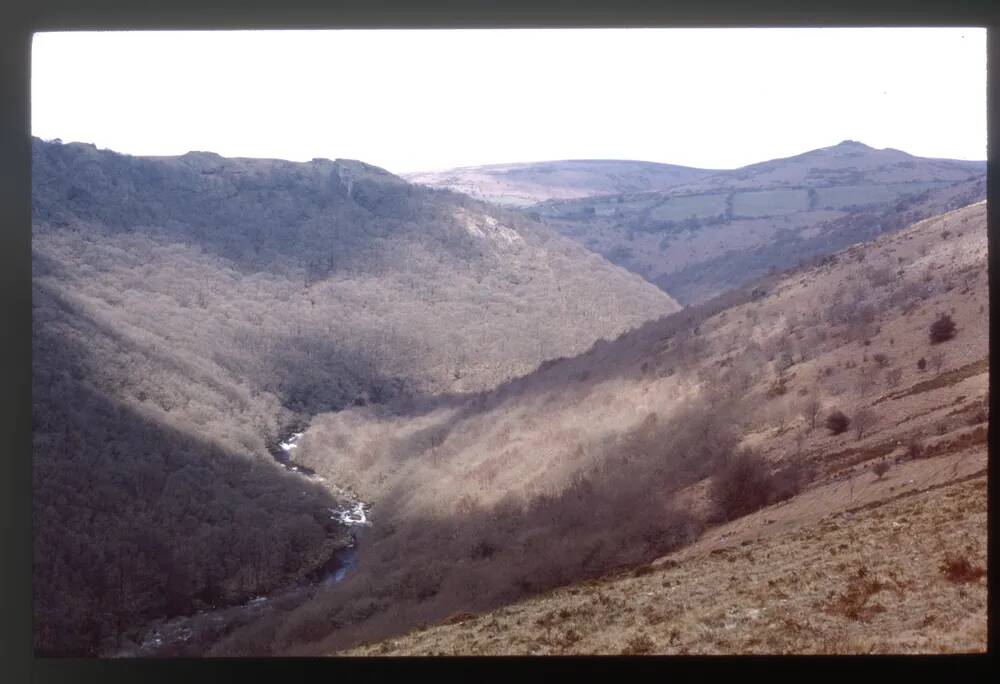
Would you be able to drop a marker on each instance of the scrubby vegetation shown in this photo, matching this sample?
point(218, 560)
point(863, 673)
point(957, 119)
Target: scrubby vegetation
point(745, 483)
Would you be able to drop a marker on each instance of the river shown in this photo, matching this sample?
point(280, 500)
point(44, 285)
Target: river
point(174, 636)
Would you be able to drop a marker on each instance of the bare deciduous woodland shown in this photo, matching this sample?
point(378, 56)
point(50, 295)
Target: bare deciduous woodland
point(555, 456)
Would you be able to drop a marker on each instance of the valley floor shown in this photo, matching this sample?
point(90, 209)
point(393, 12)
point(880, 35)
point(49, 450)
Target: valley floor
point(898, 569)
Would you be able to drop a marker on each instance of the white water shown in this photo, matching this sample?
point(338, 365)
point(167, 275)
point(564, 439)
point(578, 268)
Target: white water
point(353, 513)
point(291, 443)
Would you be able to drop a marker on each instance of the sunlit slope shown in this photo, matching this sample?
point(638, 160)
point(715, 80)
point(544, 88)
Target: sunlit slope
point(634, 429)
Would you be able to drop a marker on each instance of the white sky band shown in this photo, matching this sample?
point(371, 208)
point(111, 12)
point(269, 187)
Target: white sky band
point(428, 100)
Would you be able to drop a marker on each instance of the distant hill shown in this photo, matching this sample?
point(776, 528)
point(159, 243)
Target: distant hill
point(698, 239)
point(190, 311)
point(526, 184)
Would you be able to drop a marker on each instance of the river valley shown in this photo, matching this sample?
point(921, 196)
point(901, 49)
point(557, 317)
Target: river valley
point(187, 634)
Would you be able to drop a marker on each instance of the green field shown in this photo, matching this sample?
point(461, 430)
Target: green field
point(916, 187)
point(848, 195)
point(680, 208)
point(770, 202)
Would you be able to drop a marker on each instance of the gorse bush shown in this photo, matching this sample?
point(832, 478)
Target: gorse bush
point(942, 329)
point(958, 569)
point(639, 645)
point(837, 422)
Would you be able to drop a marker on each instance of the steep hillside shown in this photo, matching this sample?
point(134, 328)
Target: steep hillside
point(629, 451)
point(191, 311)
point(699, 239)
point(351, 280)
point(520, 185)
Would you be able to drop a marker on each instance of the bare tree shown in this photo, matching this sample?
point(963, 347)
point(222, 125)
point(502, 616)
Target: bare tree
point(800, 440)
point(779, 415)
point(937, 360)
point(863, 420)
point(894, 376)
point(811, 410)
point(867, 381)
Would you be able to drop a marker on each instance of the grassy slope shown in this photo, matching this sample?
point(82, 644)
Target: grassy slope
point(899, 541)
point(801, 591)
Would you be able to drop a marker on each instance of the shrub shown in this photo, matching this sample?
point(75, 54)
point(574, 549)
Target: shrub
point(853, 603)
point(789, 481)
point(837, 422)
point(880, 469)
point(777, 389)
point(743, 485)
point(915, 449)
point(958, 569)
point(881, 359)
point(638, 645)
point(922, 363)
point(979, 415)
point(942, 330)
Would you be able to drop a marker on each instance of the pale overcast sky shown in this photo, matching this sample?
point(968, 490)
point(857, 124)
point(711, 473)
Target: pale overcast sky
point(428, 100)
